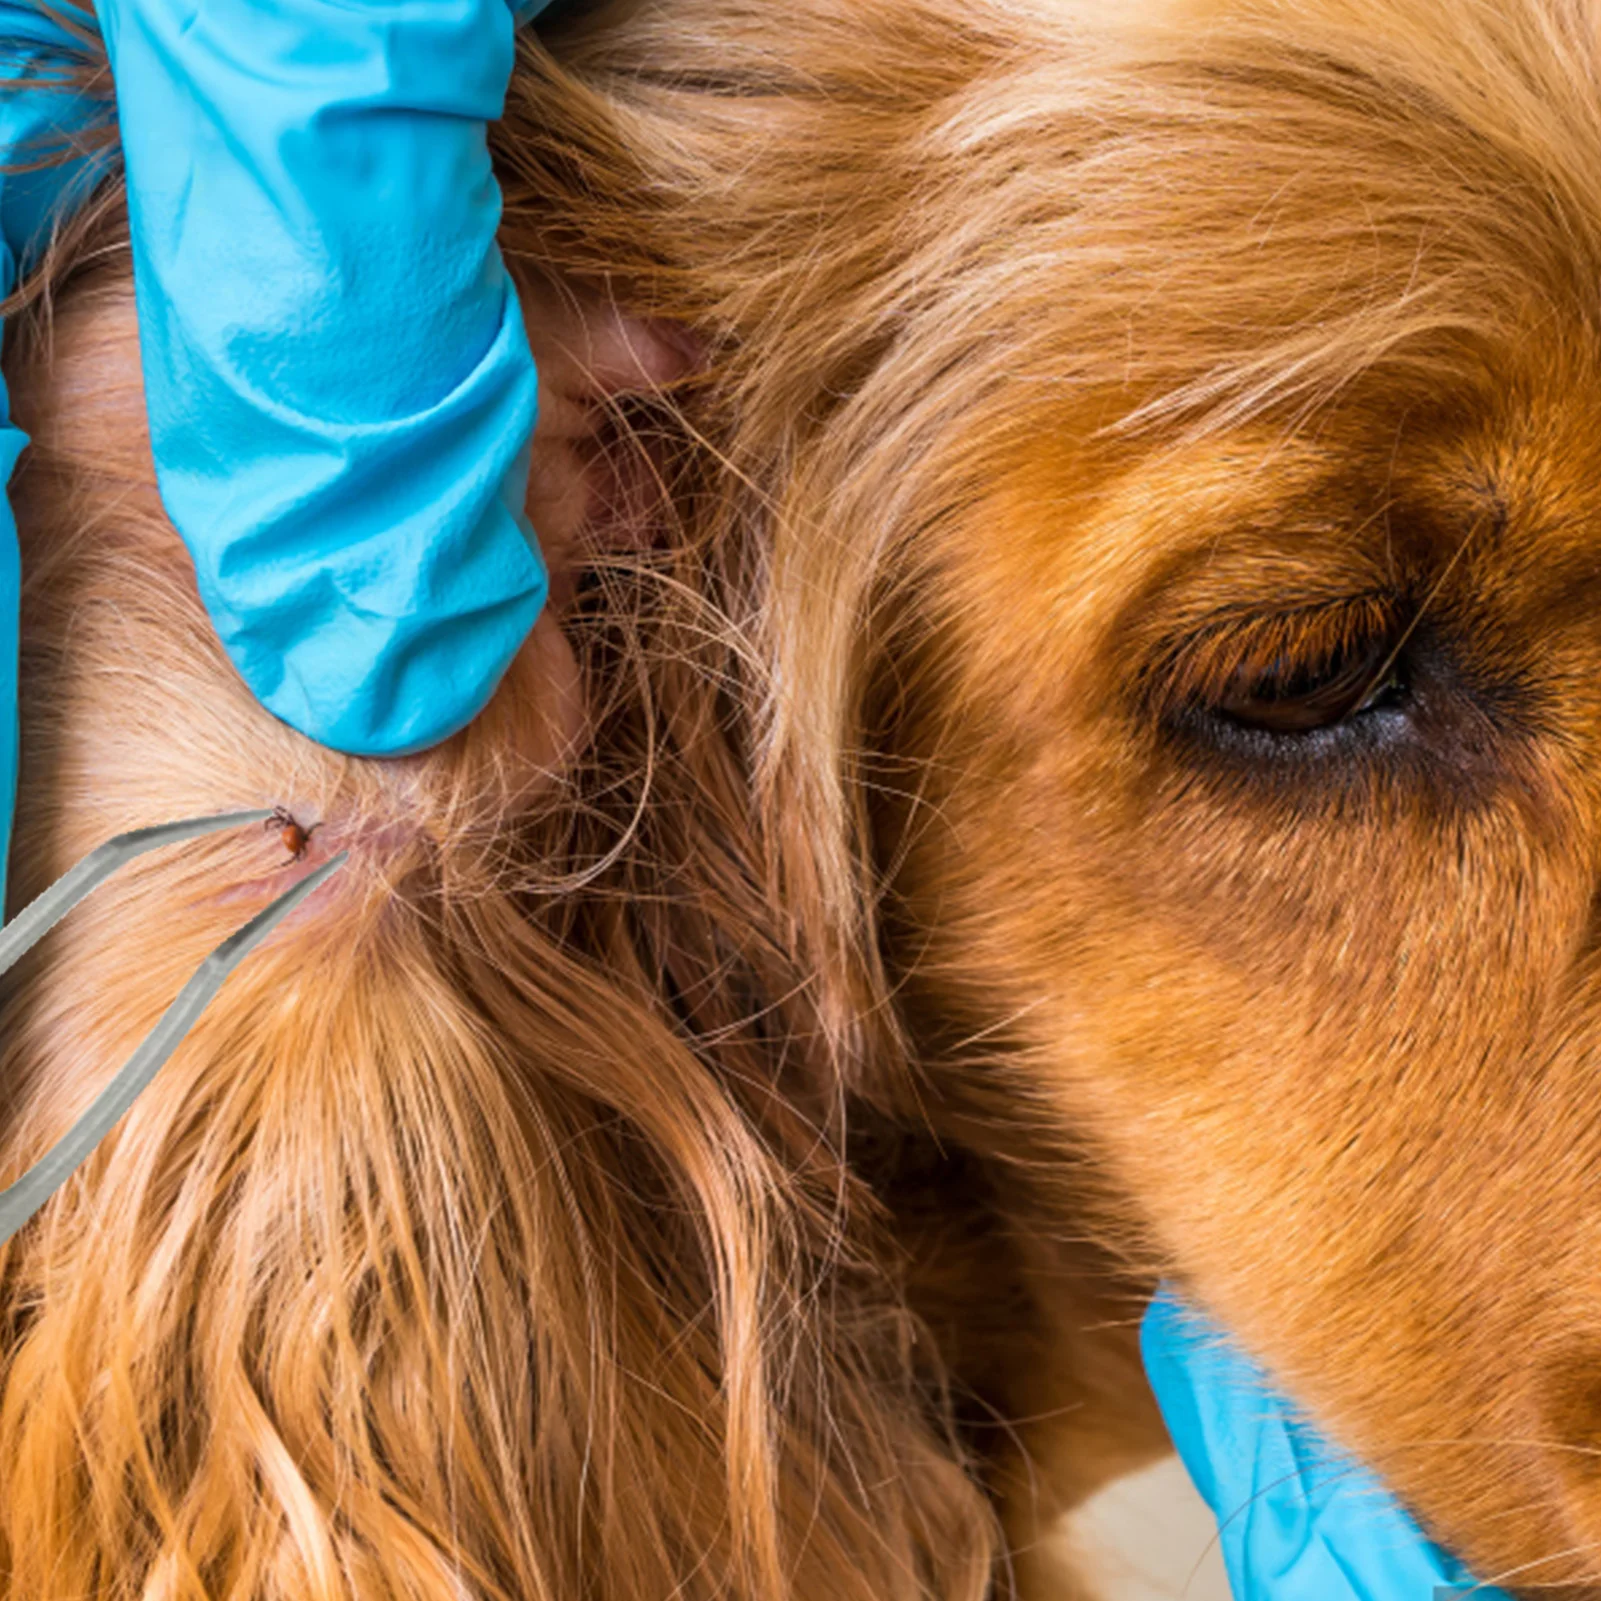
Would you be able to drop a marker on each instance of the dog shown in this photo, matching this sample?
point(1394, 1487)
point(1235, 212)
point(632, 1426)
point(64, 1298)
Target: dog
point(1077, 765)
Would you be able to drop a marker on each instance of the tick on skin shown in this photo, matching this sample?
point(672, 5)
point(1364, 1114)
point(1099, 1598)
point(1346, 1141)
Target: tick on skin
point(294, 837)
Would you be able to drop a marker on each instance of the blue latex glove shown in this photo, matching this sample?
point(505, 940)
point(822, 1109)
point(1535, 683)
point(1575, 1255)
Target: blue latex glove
point(1298, 1520)
point(340, 388)
point(30, 122)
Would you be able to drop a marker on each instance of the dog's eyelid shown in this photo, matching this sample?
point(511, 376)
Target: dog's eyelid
point(1240, 650)
point(1237, 615)
point(1296, 627)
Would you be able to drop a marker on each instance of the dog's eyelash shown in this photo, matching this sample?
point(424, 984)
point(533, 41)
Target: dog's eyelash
point(1292, 671)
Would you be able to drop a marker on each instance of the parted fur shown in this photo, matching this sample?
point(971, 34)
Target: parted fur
point(734, 1167)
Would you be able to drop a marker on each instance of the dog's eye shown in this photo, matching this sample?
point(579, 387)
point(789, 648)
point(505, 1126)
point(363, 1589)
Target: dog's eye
point(1296, 696)
point(1295, 672)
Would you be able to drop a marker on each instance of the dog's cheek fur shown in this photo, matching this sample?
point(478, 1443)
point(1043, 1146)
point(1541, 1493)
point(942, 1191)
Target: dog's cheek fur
point(1236, 1013)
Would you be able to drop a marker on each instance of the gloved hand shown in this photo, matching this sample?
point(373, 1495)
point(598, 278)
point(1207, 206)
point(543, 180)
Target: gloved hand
point(1298, 1520)
point(31, 120)
point(340, 388)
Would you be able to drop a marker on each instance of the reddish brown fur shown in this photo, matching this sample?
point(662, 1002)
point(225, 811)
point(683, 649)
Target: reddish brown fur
point(1067, 361)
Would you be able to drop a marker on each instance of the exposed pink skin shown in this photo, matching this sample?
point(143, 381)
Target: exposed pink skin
point(373, 846)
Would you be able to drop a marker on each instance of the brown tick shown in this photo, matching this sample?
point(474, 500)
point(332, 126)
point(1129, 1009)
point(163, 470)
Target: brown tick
point(294, 837)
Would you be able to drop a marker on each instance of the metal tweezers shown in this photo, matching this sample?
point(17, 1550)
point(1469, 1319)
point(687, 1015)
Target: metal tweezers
point(19, 1201)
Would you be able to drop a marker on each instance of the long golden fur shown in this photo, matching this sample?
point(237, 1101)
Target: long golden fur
point(733, 1165)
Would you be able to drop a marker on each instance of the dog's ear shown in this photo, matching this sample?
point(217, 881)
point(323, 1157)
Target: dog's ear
point(594, 483)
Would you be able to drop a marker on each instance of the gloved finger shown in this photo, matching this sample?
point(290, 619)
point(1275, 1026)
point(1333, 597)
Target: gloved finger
point(339, 386)
point(1298, 1520)
point(36, 119)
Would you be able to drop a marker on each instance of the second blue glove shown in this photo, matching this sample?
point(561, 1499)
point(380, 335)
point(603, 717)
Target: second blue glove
point(1298, 1520)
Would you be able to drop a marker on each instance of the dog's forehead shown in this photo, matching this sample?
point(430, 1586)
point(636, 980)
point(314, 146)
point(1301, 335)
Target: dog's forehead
point(1500, 483)
point(1264, 206)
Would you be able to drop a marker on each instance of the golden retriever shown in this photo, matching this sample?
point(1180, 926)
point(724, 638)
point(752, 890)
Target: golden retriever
point(1088, 768)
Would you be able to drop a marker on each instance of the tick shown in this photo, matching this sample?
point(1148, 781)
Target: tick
point(294, 837)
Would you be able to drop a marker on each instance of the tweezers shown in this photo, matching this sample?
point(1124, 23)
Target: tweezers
point(19, 1201)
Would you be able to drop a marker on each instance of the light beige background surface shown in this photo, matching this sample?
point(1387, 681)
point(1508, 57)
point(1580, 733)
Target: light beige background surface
point(1152, 1538)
